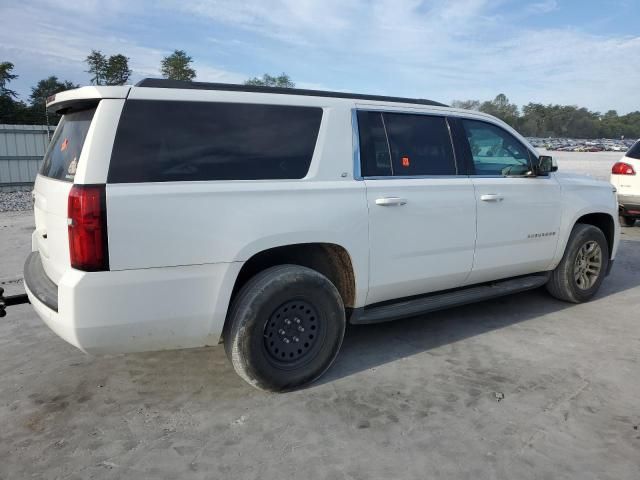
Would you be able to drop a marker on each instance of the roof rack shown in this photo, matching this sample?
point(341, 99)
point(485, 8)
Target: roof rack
point(231, 87)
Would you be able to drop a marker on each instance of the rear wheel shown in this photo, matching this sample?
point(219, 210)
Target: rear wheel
point(285, 328)
point(579, 274)
point(628, 221)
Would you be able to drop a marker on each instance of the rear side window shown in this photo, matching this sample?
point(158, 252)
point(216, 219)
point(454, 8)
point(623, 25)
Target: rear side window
point(165, 141)
point(402, 144)
point(419, 144)
point(634, 151)
point(61, 160)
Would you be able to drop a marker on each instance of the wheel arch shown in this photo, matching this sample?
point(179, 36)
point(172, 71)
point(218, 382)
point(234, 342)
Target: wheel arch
point(603, 221)
point(330, 259)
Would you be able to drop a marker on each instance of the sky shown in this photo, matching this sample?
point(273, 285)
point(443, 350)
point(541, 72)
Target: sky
point(569, 52)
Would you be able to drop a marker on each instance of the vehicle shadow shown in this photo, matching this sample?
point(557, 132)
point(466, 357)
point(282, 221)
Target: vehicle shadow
point(369, 346)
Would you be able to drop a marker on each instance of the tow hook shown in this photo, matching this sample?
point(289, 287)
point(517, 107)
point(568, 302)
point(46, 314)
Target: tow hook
point(10, 300)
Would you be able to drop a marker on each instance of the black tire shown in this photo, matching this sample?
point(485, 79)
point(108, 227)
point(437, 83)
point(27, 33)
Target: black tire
point(260, 319)
point(563, 284)
point(628, 221)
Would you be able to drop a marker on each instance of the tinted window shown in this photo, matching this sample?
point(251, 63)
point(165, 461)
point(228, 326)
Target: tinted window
point(494, 150)
point(634, 152)
point(61, 160)
point(374, 149)
point(164, 141)
point(419, 144)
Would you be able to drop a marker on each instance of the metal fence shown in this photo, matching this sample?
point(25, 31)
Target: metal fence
point(21, 150)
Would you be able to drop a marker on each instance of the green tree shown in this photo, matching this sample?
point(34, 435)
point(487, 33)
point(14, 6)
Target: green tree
point(501, 108)
point(177, 66)
point(97, 63)
point(47, 87)
point(283, 80)
point(108, 71)
point(5, 77)
point(466, 104)
point(15, 112)
point(118, 71)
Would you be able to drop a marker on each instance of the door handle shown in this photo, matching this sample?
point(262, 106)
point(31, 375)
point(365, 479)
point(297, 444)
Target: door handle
point(390, 201)
point(491, 197)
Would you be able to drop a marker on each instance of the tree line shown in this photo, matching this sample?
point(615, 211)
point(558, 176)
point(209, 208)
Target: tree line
point(565, 121)
point(533, 120)
point(103, 70)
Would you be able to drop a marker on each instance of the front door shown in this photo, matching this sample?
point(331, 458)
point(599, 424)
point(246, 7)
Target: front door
point(518, 214)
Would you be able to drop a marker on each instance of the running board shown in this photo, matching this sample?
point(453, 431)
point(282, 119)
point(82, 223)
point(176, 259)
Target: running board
point(451, 298)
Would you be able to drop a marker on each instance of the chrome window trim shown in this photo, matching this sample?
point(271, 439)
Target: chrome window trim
point(416, 177)
point(510, 176)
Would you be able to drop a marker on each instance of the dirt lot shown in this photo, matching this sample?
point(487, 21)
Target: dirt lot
point(521, 387)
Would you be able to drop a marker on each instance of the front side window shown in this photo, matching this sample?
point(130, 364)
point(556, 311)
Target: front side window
point(165, 141)
point(494, 150)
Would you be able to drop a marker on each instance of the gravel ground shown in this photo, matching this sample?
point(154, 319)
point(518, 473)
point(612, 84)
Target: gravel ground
point(594, 164)
point(15, 201)
point(523, 387)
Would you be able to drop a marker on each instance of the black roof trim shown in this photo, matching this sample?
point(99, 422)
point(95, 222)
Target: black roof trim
point(231, 87)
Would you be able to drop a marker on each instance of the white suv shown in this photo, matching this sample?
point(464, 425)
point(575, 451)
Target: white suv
point(174, 215)
point(625, 176)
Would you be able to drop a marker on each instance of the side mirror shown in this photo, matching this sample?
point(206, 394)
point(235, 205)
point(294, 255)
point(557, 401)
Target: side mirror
point(545, 165)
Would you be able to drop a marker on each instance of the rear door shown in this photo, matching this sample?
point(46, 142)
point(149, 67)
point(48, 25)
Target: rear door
point(421, 212)
point(518, 215)
point(51, 190)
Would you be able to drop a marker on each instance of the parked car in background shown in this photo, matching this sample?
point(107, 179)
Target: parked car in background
point(625, 176)
point(183, 214)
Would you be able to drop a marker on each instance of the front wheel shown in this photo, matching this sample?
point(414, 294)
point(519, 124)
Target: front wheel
point(286, 327)
point(579, 274)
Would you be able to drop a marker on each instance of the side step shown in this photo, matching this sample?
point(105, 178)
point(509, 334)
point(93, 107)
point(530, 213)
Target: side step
point(451, 298)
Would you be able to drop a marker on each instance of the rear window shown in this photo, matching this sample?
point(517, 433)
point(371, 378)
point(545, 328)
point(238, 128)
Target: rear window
point(165, 141)
point(634, 151)
point(61, 160)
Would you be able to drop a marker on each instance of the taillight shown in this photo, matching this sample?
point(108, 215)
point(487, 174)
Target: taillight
point(621, 168)
point(87, 212)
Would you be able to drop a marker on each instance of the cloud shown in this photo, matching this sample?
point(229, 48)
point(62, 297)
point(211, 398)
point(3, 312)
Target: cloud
point(545, 6)
point(454, 49)
point(442, 49)
point(61, 36)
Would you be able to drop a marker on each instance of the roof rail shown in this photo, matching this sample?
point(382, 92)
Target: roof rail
point(231, 87)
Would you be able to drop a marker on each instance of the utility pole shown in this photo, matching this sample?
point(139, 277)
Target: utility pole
point(46, 117)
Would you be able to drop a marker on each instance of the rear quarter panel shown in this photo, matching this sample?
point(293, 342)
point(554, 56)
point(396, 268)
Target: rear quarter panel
point(169, 224)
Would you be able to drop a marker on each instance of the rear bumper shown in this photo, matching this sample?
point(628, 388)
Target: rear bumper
point(41, 286)
point(134, 310)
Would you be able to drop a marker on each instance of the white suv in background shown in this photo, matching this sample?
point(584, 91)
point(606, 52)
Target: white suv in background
point(625, 176)
point(174, 215)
